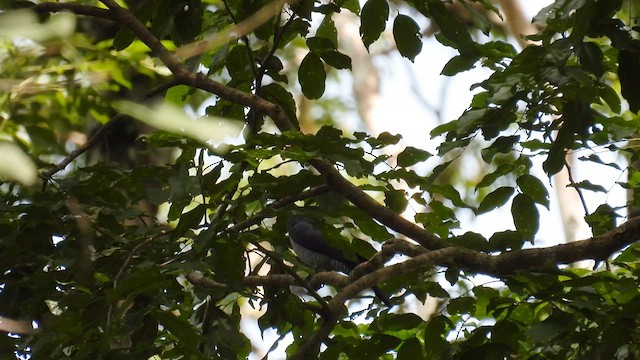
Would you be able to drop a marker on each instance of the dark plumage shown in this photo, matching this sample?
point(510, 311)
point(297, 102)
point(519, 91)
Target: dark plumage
point(313, 249)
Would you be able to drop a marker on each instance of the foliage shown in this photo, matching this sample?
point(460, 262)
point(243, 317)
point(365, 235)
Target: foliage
point(87, 257)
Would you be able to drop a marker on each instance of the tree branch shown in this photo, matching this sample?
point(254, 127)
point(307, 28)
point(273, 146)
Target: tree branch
point(505, 264)
point(502, 265)
point(74, 8)
point(376, 210)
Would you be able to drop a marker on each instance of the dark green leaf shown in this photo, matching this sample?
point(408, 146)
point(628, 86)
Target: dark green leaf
point(611, 97)
point(502, 145)
point(552, 327)
point(534, 188)
point(411, 156)
point(525, 216)
point(123, 39)
point(462, 305)
point(629, 73)
point(458, 64)
point(556, 159)
point(327, 30)
point(453, 30)
point(602, 220)
point(312, 76)
point(395, 322)
point(373, 19)
point(238, 64)
point(471, 240)
point(408, 38)
point(411, 349)
point(396, 200)
point(434, 336)
point(191, 219)
point(588, 185)
point(384, 139)
point(495, 199)
point(276, 93)
point(505, 240)
point(180, 328)
point(591, 57)
point(448, 192)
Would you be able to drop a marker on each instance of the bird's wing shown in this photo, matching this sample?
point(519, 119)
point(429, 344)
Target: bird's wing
point(303, 233)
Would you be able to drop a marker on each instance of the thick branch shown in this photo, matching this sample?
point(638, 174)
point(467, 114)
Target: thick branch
point(126, 18)
point(378, 211)
point(334, 179)
point(74, 8)
point(505, 264)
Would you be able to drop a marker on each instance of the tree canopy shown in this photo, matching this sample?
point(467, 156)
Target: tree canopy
point(151, 155)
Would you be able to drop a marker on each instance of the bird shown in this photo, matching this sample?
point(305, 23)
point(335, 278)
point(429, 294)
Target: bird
point(313, 249)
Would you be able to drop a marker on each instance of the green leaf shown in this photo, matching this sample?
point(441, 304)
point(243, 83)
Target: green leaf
point(611, 97)
point(408, 38)
point(123, 39)
point(177, 95)
point(326, 49)
point(449, 192)
point(337, 59)
point(534, 188)
point(525, 216)
point(591, 58)
point(629, 63)
point(471, 240)
point(312, 76)
point(458, 64)
point(461, 305)
point(384, 139)
point(238, 64)
point(395, 322)
point(276, 93)
point(588, 185)
point(191, 219)
point(556, 159)
point(453, 29)
point(396, 200)
point(228, 260)
point(602, 220)
point(502, 145)
point(411, 349)
point(327, 30)
point(502, 170)
point(373, 19)
point(351, 5)
point(179, 328)
point(434, 336)
point(552, 327)
point(505, 240)
point(411, 156)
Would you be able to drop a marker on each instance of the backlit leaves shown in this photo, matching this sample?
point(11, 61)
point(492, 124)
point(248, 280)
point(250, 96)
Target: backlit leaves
point(406, 32)
point(312, 76)
point(373, 19)
point(525, 216)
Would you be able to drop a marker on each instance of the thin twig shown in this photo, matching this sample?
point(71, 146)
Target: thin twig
point(584, 203)
point(125, 264)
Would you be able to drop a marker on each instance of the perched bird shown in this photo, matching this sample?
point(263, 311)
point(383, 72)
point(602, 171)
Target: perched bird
point(313, 249)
